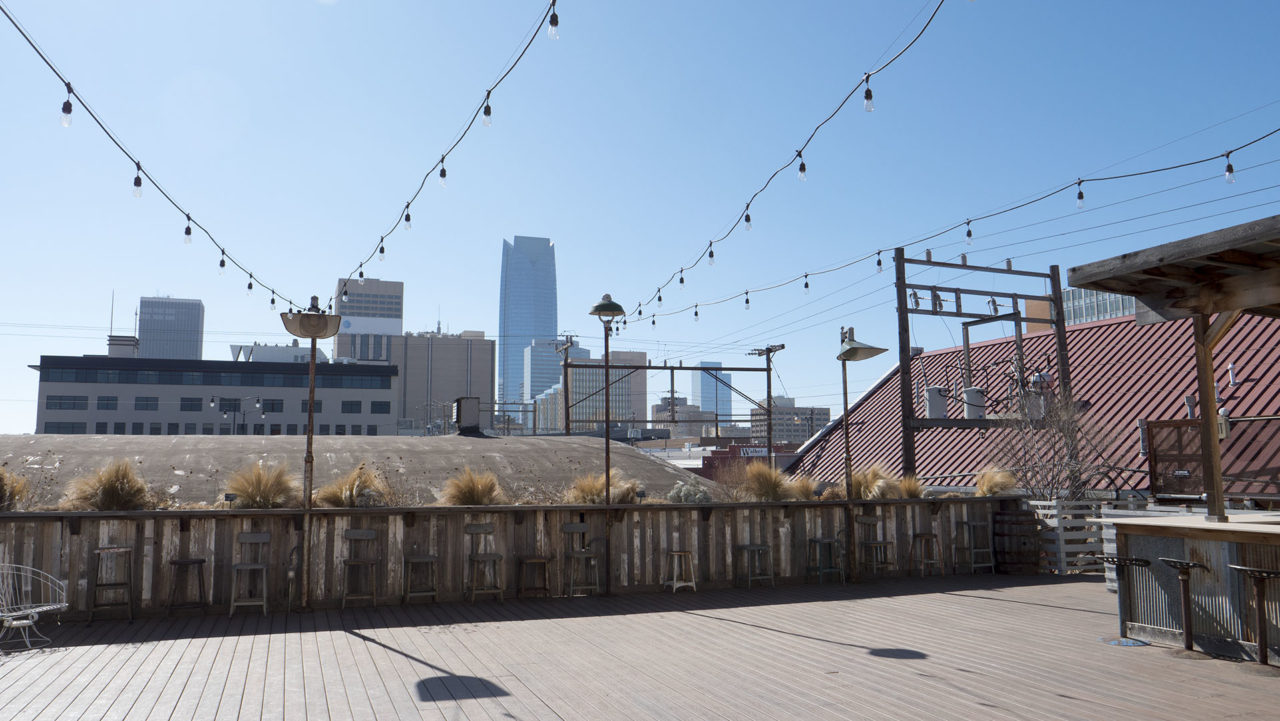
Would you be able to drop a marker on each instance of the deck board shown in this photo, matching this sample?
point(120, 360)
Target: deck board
point(988, 647)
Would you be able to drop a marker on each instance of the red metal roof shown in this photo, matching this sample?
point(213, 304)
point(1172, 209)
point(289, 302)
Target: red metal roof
point(1121, 373)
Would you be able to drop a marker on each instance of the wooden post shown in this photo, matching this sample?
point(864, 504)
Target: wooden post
point(1210, 453)
point(850, 542)
point(904, 365)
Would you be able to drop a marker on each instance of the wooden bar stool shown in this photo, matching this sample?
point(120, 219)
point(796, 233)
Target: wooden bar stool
point(758, 561)
point(252, 566)
point(930, 553)
point(114, 557)
point(580, 558)
point(1260, 577)
point(540, 566)
point(189, 566)
point(823, 555)
point(1122, 588)
point(874, 555)
point(1184, 582)
point(484, 566)
point(681, 565)
point(429, 563)
point(974, 539)
point(361, 554)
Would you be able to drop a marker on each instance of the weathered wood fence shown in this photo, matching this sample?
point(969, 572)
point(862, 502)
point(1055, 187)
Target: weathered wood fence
point(63, 544)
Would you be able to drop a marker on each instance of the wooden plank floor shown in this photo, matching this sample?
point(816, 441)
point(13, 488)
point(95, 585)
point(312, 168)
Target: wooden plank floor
point(986, 647)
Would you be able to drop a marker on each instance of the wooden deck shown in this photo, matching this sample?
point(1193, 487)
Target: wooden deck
point(967, 647)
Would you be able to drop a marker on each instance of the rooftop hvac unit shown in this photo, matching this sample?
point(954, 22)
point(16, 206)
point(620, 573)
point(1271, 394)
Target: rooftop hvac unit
point(975, 403)
point(935, 402)
point(466, 415)
point(1034, 405)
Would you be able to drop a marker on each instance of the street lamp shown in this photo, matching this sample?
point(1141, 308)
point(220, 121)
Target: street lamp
point(235, 412)
point(314, 324)
point(606, 310)
point(850, 350)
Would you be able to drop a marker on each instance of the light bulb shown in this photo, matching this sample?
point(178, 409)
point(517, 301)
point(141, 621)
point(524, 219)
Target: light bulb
point(382, 252)
point(711, 256)
point(488, 115)
point(290, 312)
point(211, 402)
point(653, 322)
point(344, 295)
point(66, 113)
point(408, 221)
point(746, 301)
point(443, 172)
point(137, 186)
point(802, 166)
point(248, 290)
point(695, 314)
point(186, 235)
point(747, 219)
point(257, 403)
point(682, 277)
point(361, 280)
point(867, 104)
point(659, 298)
point(222, 264)
point(553, 24)
point(273, 301)
point(806, 284)
point(1079, 196)
point(879, 263)
point(1231, 171)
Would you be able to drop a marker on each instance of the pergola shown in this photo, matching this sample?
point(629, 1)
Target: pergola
point(1212, 279)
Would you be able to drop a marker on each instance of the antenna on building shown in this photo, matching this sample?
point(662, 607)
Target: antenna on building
point(111, 325)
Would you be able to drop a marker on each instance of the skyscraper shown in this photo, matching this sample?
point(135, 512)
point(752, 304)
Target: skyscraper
point(710, 395)
point(526, 311)
point(372, 311)
point(170, 328)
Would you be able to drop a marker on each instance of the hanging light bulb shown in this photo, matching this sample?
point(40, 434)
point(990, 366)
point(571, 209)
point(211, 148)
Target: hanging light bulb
point(746, 300)
point(488, 112)
point(553, 23)
point(639, 311)
point(968, 234)
point(867, 105)
point(273, 300)
point(879, 263)
point(290, 311)
point(1231, 171)
point(345, 297)
point(659, 297)
point(747, 218)
point(382, 251)
point(222, 264)
point(249, 288)
point(802, 166)
point(1079, 195)
point(408, 219)
point(682, 277)
point(361, 280)
point(711, 255)
point(137, 181)
point(695, 312)
point(806, 284)
point(66, 108)
point(186, 234)
point(443, 173)
point(653, 322)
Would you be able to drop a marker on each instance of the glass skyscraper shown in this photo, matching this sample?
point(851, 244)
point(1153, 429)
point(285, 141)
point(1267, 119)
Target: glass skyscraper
point(526, 312)
point(710, 395)
point(170, 328)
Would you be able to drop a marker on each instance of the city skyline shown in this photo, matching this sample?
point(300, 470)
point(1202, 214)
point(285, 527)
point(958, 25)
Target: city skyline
point(527, 314)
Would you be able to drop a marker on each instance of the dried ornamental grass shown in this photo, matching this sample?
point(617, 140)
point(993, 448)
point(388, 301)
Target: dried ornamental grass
point(259, 486)
point(471, 488)
point(691, 492)
point(911, 487)
point(803, 488)
point(115, 487)
point(363, 487)
point(836, 492)
point(992, 481)
point(586, 490)
point(884, 489)
point(14, 489)
point(764, 482)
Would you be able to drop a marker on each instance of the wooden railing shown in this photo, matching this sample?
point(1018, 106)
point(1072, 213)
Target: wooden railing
point(63, 544)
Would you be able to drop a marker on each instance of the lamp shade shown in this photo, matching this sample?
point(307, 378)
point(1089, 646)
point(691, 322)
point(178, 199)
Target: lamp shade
point(853, 350)
point(312, 325)
point(606, 308)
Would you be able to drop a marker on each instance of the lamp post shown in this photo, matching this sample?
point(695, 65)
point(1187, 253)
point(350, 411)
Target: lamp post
point(238, 414)
point(606, 310)
point(314, 324)
point(850, 350)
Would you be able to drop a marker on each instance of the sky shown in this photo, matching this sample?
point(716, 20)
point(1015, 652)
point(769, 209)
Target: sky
point(295, 131)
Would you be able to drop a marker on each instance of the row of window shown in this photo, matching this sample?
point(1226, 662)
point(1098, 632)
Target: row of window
point(209, 378)
point(204, 429)
point(225, 405)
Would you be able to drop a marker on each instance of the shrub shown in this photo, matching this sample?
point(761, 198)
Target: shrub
point(993, 481)
point(259, 486)
point(691, 492)
point(625, 492)
point(911, 487)
point(14, 489)
point(803, 488)
point(472, 488)
point(589, 489)
point(763, 482)
point(729, 482)
point(865, 480)
point(114, 487)
point(363, 487)
point(884, 488)
point(836, 492)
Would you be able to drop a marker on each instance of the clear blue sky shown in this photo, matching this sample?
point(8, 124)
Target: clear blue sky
point(295, 130)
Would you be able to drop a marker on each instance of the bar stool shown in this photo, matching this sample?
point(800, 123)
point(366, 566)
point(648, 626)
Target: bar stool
point(484, 567)
point(1184, 582)
point(758, 559)
point(113, 555)
point(930, 553)
point(979, 555)
point(873, 554)
point(1122, 588)
point(253, 564)
point(580, 557)
point(360, 554)
point(540, 566)
point(823, 558)
point(189, 565)
point(681, 565)
point(428, 562)
point(1260, 577)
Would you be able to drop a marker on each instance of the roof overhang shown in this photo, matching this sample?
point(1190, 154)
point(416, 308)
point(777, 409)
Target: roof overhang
point(1236, 268)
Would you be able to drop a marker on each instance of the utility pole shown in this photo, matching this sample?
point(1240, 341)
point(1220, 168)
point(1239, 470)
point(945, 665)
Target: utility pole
point(768, 352)
point(564, 386)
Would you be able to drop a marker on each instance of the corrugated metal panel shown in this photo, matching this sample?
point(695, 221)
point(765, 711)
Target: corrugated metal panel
point(1125, 371)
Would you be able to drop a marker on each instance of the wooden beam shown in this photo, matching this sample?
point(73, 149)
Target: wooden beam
point(1220, 326)
point(1210, 453)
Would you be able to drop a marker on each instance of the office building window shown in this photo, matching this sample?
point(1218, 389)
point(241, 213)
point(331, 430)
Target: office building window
point(324, 429)
point(319, 405)
point(135, 429)
point(117, 428)
point(171, 429)
point(224, 429)
point(380, 407)
point(65, 426)
point(100, 428)
point(275, 429)
point(188, 429)
point(192, 404)
point(108, 403)
point(291, 429)
point(66, 403)
point(273, 405)
point(371, 430)
point(340, 430)
point(355, 429)
point(146, 403)
point(229, 405)
point(259, 429)
point(206, 429)
point(351, 406)
point(155, 429)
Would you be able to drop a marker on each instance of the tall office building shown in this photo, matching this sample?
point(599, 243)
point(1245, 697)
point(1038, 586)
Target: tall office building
point(170, 328)
point(713, 396)
point(372, 310)
point(526, 312)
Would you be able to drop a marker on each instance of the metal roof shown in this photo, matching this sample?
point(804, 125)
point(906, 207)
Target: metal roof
point(1121, 373)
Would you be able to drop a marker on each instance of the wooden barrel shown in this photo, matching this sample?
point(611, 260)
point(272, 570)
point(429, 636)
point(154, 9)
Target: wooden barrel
point(1017, 542)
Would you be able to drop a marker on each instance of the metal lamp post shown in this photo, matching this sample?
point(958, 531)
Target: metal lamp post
point(850, 350)
point(314, 324)
point(606, 310)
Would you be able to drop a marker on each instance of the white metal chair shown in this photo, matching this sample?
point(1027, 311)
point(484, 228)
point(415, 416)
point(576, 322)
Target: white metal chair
point(25, 593)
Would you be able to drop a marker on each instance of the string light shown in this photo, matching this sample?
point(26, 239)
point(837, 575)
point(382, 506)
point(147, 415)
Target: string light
point(345, 296)
point(695, 312)
point(746, 300)
point(553, 23)
point(1079, 194)
point(443, 172)
point(488, 112)
point(879, 263)
point(746, 218)
point(711, 255)
point(222, 264)
point(290, 312)
point(361, 281)
point(137, 181)
point(659, 298)
point(186, 233)
point(802, 166)
point(968, 234)
point(806, 284)
point(867, 104)
point(682, 277)
point(382, 249)
point(1231, 171)
point(249, 288)
point(408, 220)
point(273, 300)
point(66, 108)
point(653, 322)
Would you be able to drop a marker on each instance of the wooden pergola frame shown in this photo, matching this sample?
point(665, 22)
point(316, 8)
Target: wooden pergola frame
point(1213, 279)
